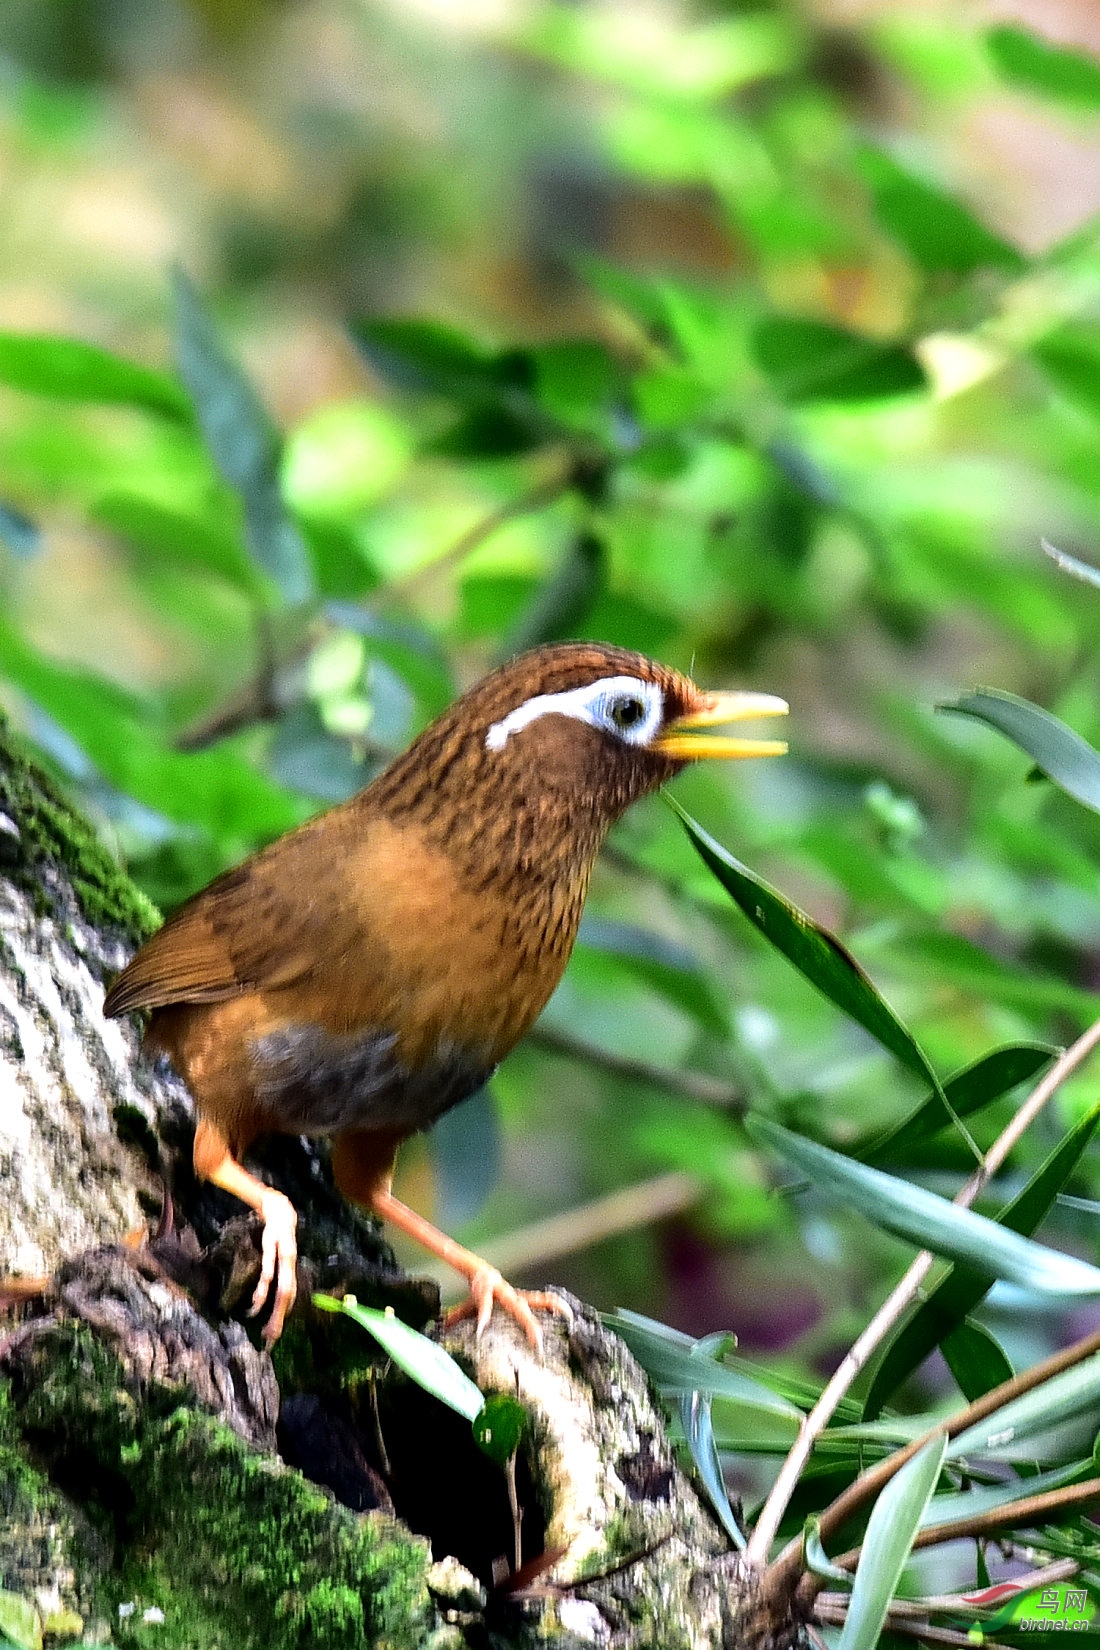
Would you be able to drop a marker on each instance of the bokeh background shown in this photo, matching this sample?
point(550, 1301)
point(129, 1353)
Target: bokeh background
point(765, 338)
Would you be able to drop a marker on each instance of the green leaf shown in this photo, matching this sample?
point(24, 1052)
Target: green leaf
point(956, 1295)
point(243, 443)
point(929, 1221)
point(1070, 357)
point(817, 1559)
point(563, 601)
point(952, 959)
point(429, 355)
point(422, 1360)
point(1063, 755)
point(938, 232)
point(499, 1426)
point(575, 382)
point(74, 371)
point(667, 396)
point(1062, 1398)
point(677, 1363)
point(215, 789)
point(486, 431)
point(695, 1417)
point(975, 1359)
point(969, 1091)
point(809, 360)
point(815, 952)
point(891, 1529)
point(20, 1622)
point(958, 1507)
point(1035, 65)
point(668, 969)
point(186, 540)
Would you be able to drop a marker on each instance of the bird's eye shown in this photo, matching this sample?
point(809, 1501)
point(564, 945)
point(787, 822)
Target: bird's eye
point(627, 712)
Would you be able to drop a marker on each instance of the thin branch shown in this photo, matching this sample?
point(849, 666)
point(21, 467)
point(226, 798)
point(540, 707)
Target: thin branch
point(786, 1571)
point(621, 1211)
point(693, 1085)
point(1014, 1515)
point(539, 494)
point(911, 1615)
point(897, 1303)
point(258, 699)
point(1062, 1569)
point(835, 1615)
point(254, 701)
point(1031, 1509)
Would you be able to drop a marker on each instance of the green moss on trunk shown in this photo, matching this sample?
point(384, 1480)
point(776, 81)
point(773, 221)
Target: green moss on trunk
point(237, 1550)
point(51, 832)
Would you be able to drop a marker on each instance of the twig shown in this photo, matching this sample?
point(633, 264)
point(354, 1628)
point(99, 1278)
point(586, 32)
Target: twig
point(693, 1085)
point(1031, 1509)
point(258, 699)
point(255, 701)
point(621, 1211)
point(896, 1304)
point(786, 1570)
point(865, 1488)
point(834, 1615)
point(1062, 1569)
point(541, 493)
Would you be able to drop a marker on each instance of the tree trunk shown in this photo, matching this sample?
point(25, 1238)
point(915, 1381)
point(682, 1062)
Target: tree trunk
point(150, 1490)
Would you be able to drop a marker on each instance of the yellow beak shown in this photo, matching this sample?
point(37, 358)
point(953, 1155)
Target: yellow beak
point(681, 740)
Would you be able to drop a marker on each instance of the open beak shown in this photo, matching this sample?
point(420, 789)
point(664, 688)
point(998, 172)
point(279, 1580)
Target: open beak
point(682, 740)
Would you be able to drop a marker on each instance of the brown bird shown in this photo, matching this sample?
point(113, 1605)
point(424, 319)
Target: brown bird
point(369, 970)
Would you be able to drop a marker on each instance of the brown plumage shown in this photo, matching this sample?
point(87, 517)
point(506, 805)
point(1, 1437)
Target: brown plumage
point(369, 970)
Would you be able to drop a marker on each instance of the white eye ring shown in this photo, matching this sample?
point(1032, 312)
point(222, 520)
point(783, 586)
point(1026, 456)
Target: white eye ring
point(627, 708)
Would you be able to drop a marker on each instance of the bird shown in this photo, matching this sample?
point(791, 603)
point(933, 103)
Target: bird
point(369, 970)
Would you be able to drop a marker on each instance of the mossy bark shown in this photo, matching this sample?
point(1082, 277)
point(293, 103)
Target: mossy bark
point(150, 1493)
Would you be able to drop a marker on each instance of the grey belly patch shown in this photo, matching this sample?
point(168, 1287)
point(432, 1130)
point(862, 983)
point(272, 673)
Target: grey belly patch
point(311, 1081)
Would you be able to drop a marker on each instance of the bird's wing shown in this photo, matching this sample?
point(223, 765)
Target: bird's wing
point(254, 927)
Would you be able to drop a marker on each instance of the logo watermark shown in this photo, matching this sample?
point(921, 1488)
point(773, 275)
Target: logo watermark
point(1065, 1608)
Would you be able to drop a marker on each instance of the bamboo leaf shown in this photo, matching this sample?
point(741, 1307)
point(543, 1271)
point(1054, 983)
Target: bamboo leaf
point(976, 1359)
point(930, 1221)
point(969, 1091)
point(893, 1524)
point(678, 1363)
point(813, 950)
point(1062, 754)
point(817, 1559)
point(699, 1431)
point(958, 1506)
point(422, 1360)
point(1074, 1392)
point(957, 1294)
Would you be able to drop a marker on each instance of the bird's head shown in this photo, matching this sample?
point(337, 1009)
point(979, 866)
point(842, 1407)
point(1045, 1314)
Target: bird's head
point(584, 725)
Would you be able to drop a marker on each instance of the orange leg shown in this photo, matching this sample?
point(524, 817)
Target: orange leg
point(363, 1166)
point(216, 1163)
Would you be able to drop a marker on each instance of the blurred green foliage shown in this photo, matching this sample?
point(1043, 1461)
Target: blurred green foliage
point(679, 334)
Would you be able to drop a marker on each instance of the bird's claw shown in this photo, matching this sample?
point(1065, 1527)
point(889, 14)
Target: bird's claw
point(278, 1263)
point(489, 1288)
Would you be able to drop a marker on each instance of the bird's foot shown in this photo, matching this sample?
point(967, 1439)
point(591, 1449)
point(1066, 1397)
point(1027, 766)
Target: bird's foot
point(489, 1288)
point(278, 1262)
